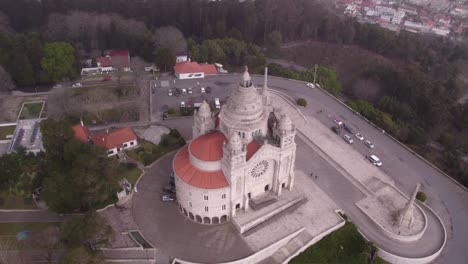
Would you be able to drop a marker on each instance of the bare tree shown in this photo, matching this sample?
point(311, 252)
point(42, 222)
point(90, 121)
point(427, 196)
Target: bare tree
point(6, 83)
point(170, 37)
point(5, 27)
point(9, 252)
point(48, 242)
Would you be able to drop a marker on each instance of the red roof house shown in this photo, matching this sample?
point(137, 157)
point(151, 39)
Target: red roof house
point(114, 139)
point(192, 70)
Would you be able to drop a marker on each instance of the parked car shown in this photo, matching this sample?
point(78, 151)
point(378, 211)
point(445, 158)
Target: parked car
point(164, 116)
point(169, 92)
point(217, 103)
point(202, 90)
point(208, 89)
point(172, 182)
point(107, 78)
point(164, 108)
point(359, 136)
point(338, 122)
point(369, 144)
point(169, 189)
point(190, 91)
point(375, 160)
point(336, 129)
point(348, 139)
point(348, 128)
point(77, 85)
point(168, 198)
point(182, 104)
point(310, 85)
point(184, 91)
point(172, 175)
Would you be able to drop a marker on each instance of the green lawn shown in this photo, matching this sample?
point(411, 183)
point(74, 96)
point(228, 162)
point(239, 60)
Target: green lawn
point(344, 246)
point(132, 175)
point(5, 131)
point(9, 201)
point(31, 110)
point(148, 152)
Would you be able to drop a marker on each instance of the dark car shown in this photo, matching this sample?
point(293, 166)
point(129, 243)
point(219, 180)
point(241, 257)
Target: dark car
point(169, 189)
point(164, 116)
point(348, 128)
point(172, 182)
point(336, 129)
point(208, 89)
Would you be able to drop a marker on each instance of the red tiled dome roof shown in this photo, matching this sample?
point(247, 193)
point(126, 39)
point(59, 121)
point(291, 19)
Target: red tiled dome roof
point(208, 147)
point(194, 176)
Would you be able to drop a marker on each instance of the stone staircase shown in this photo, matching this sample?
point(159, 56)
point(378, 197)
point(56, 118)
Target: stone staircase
point(263, 200)
point(293, 246)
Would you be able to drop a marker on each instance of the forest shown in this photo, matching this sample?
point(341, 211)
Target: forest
point(419, 89)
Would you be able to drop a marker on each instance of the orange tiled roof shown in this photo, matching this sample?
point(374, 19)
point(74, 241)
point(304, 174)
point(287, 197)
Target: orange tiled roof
point(194, 176)
point(114, 138)
point(81, 132)
point(187, 67)
point(208, 147)
point(209, 69)
point(252, 148)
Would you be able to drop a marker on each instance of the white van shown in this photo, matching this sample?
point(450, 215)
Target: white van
point(375, 160)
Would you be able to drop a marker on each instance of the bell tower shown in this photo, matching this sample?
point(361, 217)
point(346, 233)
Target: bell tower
point(203, 121)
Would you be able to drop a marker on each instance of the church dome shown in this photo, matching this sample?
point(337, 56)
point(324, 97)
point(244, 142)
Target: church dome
point(285, 123)
point(204, 110)
point(244, 107)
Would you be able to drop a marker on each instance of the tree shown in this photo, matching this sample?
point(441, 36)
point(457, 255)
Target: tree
point(80, 255)
point(165, 58)
point(58, 61)
point(6, 83)
point(83, 235)
point(170, 37)
point(90, 229)
point(302, 102)
point(79, 176)
point(328, 79)
point(274, 41)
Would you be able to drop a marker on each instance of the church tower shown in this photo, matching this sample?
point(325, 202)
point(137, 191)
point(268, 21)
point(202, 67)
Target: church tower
point(203, 120)
point(285, 132)
point(265, 93)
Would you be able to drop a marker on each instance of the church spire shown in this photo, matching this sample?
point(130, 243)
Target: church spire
point(265, 94)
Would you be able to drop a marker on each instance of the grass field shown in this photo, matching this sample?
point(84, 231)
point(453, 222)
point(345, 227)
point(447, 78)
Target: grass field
point(9, 201)
point(31, 110)
point(132, 175)
point(344, 246)
point(5, 131)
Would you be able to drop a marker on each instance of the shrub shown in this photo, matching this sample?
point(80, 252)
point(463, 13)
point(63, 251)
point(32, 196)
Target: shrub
point(171, 111)
point(421, 196)
point(302, 102)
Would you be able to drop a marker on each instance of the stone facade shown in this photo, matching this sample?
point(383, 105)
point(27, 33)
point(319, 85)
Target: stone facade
point(246, 151)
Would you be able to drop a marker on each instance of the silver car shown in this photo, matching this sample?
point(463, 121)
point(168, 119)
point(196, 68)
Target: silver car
point(348, 139)
point(167, 198)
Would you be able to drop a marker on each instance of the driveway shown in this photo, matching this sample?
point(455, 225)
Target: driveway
point(165, 228)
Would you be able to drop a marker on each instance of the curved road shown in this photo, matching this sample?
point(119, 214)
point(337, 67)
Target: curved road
point(449, 200)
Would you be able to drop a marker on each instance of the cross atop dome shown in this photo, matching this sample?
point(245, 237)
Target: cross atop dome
point(246, 80)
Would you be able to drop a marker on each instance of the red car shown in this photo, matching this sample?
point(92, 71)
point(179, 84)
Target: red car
point(106, 78)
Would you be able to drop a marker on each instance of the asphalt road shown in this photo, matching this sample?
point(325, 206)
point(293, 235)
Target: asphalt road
point(448, 199)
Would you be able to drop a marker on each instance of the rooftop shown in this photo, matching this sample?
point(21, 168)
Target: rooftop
point(196, 177)
point(114, 138)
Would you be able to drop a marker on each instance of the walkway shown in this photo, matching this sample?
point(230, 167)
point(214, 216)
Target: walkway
point(361, 171)
point(19, 216)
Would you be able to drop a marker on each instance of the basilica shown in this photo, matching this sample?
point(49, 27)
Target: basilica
point(238, 156)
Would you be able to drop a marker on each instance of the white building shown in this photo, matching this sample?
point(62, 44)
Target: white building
point(114, 141)
point(237, 158)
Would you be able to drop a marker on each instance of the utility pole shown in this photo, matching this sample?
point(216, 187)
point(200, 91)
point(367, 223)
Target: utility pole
point(315, 73)
point(151, 101)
